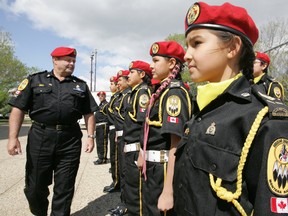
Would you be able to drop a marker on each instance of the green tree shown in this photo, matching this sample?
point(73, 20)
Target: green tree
point(12, 70)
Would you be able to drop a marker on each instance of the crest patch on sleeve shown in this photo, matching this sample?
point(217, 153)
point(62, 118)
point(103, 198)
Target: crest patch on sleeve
point(173, 105)
point(277, 167)
point(143, 101)
point(23, 85)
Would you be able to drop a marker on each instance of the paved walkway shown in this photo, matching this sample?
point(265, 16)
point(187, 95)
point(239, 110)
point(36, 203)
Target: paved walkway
point(89, 199)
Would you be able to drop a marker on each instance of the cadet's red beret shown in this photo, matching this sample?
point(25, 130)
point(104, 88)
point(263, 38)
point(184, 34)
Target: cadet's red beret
point(226, 17)
point(170, 49)
point(101, 92)
point(262, 57)
point(113, 79)
point(64, 51)
point(141, 65)
point(122, 73)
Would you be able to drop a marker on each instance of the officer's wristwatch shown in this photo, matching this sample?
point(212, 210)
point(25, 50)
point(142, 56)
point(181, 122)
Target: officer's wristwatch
point(91, 136)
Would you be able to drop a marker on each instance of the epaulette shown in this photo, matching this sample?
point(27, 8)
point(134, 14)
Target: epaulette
point(175, 84)
point(40, 72)
point(78, 79)
point(144, 87)
point(277, 109)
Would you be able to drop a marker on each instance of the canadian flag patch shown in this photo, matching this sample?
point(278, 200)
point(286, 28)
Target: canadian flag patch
point(142, 109)
point(173, 119)
point(279, 205)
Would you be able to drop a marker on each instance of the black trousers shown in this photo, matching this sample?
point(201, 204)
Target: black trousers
point(52, 153)
point(114, 159)
point(133, 185)
point(122, 169)
point(102, 141)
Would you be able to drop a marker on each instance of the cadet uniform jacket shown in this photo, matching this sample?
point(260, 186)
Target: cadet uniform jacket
point(110, 108)
point(100, 115)
point(136, 111)
point(212, 144)
point(168, 115)
point(51, 101)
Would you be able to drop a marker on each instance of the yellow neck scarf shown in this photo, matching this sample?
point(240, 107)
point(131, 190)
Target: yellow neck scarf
point(207, 93)
point(257, 79)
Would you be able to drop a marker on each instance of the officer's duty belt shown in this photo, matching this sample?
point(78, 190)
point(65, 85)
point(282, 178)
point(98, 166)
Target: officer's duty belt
point(157, 156)
point(55, 127)
point(132, 147)
point(101, 123)
point(119, 133)
point(111, 127)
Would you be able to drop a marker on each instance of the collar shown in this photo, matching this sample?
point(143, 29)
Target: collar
point(257, 79)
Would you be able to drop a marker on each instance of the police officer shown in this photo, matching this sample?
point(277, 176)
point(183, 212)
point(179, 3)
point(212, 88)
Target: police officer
point(269, 85)
point(169, 108)
point(121, 104)
point(55, 100)
point(232, 158)
point(101, 129)
point(115, 185)
point(139, 79)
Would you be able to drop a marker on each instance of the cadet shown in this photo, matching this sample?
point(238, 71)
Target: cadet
point(101, 129)
point(121, 104)
point(115, 185)
point(55, 100)
point(139, 79)
point(269, 85)
point(169, 108)
point(232, 159)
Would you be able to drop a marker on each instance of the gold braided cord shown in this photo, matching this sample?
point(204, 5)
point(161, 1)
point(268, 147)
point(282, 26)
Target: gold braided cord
point(119, 108)
point(132, 115)
point(222, 192)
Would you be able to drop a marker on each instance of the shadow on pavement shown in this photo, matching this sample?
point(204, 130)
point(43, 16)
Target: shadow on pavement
point(4, 131)
point(100, 206)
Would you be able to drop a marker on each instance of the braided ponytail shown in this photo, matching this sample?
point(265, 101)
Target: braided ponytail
point(247, 60)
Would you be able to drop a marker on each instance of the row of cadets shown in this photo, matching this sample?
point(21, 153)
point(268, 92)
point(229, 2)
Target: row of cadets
point(101, 129)
point(115, 185)
point(139, 79)
point(169, 109)
point(121, 102)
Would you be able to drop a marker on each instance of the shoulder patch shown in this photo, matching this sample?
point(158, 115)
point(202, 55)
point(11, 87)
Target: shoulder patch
point(277, 167)
point(23, 85)
point(277, 92)
point(173, 105)
point(143, 100)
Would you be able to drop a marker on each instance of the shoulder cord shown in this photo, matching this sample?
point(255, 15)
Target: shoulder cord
point(222, 192)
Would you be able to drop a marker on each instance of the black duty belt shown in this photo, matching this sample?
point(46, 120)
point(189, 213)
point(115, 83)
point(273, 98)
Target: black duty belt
point(55, 127)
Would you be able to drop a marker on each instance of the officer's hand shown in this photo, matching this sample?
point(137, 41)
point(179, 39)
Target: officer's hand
point(89, 145)
point(14, 147)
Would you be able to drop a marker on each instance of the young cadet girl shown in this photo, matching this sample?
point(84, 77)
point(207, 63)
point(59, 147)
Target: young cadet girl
point(232, 159)
point(168, 110)
point(139, 79)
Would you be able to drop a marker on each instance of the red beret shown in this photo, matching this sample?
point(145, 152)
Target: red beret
point(122, 73)
point(226, 17)
point(101, 92)
point(113, 79)
point(64, 51)
point(170, 49)
point(140, 65)
point(262, 57)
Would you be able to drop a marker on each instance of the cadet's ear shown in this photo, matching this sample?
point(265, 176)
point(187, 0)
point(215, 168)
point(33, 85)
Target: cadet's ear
point(235, 47)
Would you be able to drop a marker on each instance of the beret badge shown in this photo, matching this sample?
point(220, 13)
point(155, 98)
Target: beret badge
point(155, 48)
point(193, 14)
point(131, 65)
point(120, 73)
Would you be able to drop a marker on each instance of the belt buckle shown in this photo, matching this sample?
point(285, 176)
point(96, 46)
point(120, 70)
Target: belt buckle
point(59, 127)
point(162, 156)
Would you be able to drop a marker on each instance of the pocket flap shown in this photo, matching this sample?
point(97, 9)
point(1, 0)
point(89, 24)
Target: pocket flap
point(219, 162)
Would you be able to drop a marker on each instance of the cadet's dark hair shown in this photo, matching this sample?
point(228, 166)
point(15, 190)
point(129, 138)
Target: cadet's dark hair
point(247, 56)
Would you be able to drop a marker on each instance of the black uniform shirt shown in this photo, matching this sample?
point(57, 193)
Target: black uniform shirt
point(271, 87)
point(51, 101)
point(110, 108)
point(213, 143)
point(121, 104)
point(100, 115)
point(136, 112)
point(168, 116)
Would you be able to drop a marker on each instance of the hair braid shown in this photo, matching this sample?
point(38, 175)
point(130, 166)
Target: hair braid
point(247, 60)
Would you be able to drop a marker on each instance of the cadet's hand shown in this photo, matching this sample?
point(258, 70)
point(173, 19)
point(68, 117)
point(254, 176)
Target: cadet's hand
point(14, 147)
point(89, 145)
point(165, 201)
point(140, 160)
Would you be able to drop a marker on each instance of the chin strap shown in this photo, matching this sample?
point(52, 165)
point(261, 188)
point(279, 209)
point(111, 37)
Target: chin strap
point(222, 192)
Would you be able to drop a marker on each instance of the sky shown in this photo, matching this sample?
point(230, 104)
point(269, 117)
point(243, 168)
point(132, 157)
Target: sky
point(119, 31)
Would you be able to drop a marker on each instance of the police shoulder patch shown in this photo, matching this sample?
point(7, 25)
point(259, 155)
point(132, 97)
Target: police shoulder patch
point(173, 105)
point(23, 85)
point(277, 167)
point(143, 100)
